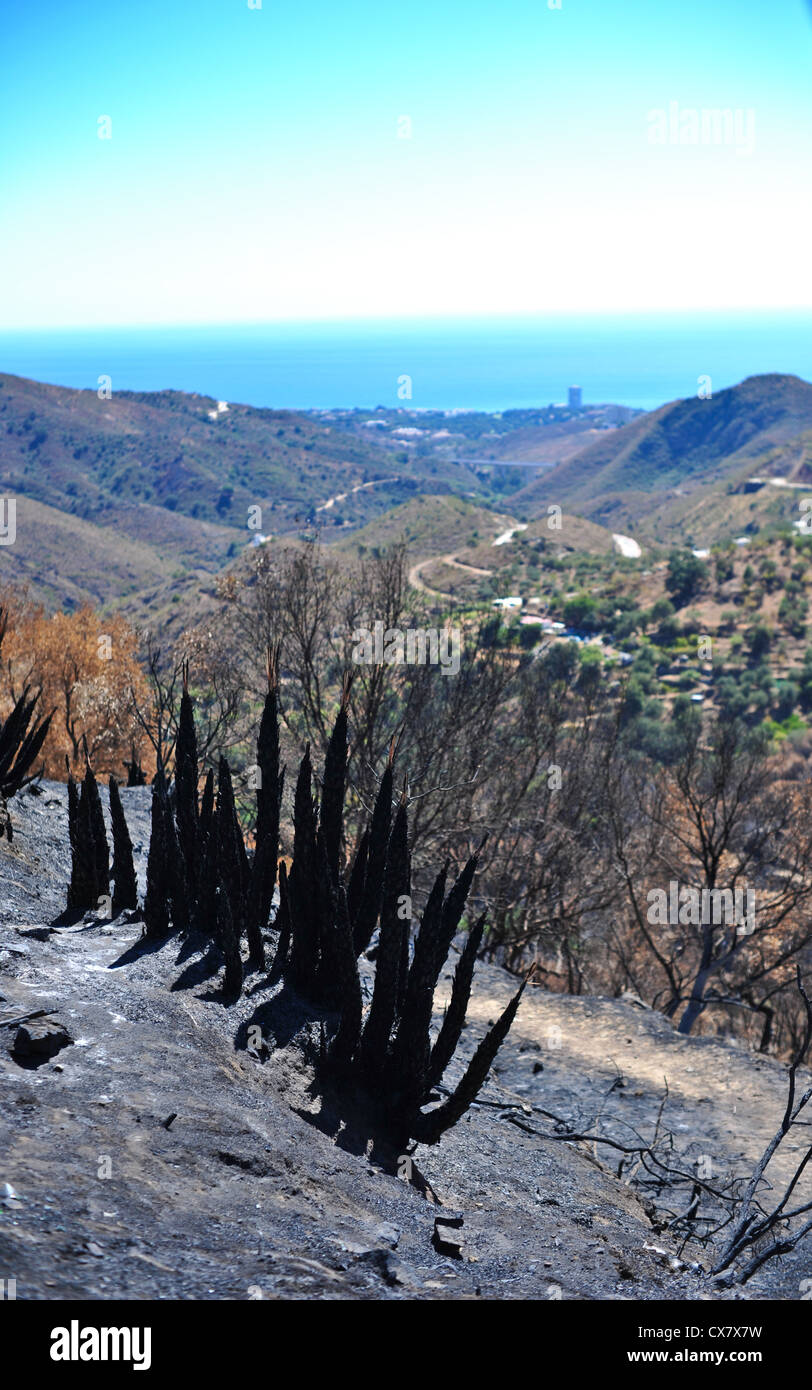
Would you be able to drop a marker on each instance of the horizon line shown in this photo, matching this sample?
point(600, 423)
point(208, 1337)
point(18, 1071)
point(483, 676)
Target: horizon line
point(409, 409)
point(339, 321)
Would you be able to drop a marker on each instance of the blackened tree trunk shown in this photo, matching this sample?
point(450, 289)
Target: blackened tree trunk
point(283, 924)
point(175, 871)
point(304, 948)
point(330, 974)
point(408, 1068)
point(269, 790)
point(81, 889)
point(696, 1002)
point(365, 918)
point(256, 917)
point(207, 806)
point(269, 805)
point(156, 901)
point(230, 943)
point(231, 861)
point(136, 777)
point(206, 905)
point(348, 1036)
point(333, 789)
point(90, 871)
point(125, 886)
point(384, 1008)
point(101, 851)
point(186, 772)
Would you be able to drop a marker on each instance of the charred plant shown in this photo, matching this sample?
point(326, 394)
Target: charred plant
point(156, 900)
point(270, 784)
point(186, 771)
point(90, 854)
point(125, 887)
point(136, 777)
point(304, 944)
point(388, 1057)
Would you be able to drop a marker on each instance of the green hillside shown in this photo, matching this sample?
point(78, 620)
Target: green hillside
point(115, 495)
point(670, 453)
point(431, 525)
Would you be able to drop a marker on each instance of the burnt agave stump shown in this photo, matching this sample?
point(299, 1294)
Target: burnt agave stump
point(200, 877)
point(384, 1062)
point(376, 1068)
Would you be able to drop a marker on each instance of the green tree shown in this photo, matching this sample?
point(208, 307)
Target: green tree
point(759, 640)
point(686, 575)
point(723, 567)
point(581, 611)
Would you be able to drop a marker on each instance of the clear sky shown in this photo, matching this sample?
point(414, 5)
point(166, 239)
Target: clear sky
point(255, 169)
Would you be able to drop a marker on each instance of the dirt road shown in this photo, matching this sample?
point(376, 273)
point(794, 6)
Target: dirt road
point(417, 582)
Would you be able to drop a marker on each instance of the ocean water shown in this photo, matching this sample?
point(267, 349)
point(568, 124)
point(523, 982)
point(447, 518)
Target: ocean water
point(466, 364)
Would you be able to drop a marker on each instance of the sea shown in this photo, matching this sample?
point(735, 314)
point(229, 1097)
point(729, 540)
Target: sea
point(473, 363)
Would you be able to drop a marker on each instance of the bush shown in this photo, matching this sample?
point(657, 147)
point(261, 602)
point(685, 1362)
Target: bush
point(686, 576)
point(581, 612)
point(759, 641)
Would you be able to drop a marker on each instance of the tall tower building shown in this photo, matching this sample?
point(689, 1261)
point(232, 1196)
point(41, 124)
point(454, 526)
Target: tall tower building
point(574, 398)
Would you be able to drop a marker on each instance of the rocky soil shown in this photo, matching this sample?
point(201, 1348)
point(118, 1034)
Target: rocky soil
point(154, 1144)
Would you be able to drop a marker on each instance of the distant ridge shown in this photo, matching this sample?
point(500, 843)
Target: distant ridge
point(683, 446)
point(115, 494)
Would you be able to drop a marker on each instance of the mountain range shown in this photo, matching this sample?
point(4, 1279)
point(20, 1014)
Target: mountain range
point(131, 499)
point(667, 472)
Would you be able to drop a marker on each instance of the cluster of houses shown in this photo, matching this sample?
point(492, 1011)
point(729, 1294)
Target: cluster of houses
point(550, 628)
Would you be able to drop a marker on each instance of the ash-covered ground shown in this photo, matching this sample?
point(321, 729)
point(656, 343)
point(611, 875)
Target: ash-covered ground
point(246, 1193)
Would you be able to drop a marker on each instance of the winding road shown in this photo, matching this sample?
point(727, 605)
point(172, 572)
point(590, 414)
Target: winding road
point(417, 582)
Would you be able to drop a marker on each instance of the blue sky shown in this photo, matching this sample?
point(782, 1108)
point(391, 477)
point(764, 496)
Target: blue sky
point(255, 169)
